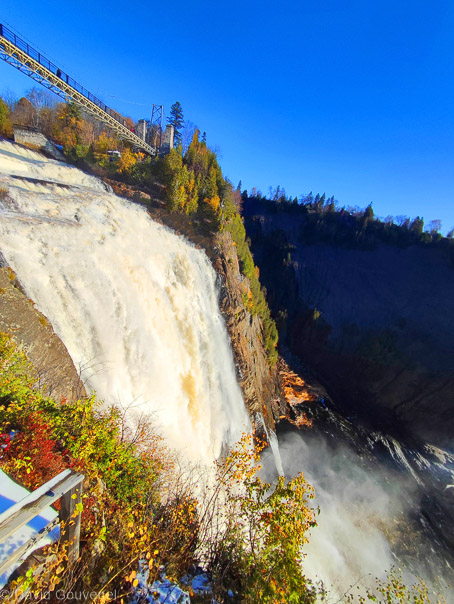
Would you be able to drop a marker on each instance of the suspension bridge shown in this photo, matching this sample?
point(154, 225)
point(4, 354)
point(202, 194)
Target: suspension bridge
point(26, 59)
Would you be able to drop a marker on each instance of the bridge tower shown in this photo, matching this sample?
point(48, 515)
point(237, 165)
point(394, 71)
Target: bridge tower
point(156, 126)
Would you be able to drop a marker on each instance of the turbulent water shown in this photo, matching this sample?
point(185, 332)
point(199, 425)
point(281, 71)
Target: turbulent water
point(135, 305)
point(382, 504)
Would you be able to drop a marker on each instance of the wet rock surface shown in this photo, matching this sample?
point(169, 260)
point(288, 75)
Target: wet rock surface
point(419, 480)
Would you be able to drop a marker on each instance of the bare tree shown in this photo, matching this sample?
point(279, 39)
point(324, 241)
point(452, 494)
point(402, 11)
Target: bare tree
point(434, 226)
point(10, 98)
point(187, 135)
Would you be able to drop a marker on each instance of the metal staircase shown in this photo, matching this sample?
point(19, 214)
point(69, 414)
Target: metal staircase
point(26, 59)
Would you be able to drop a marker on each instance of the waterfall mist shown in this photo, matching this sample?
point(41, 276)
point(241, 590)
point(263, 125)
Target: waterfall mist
point(368, 518)
point(135, 305)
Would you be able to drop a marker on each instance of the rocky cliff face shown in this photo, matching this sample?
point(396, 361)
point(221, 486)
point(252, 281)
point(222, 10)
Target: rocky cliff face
point(56, 373)
point(258, 381)
point(376, 325)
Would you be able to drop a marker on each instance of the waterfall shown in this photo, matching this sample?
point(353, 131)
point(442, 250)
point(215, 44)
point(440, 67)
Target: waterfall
point(135, 305)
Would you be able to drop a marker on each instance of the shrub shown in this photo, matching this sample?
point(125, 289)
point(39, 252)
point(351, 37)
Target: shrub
point(252, 532)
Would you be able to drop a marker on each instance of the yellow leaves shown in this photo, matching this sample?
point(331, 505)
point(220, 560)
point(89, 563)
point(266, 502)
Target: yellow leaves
point(105, 143)
point(127, 160)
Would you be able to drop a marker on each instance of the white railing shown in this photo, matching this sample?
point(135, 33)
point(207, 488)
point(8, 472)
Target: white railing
point(67, 486)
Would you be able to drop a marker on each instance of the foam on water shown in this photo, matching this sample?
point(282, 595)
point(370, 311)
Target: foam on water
point(135, 305)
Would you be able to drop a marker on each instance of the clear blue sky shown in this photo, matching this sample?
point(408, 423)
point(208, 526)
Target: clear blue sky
point(348, 97)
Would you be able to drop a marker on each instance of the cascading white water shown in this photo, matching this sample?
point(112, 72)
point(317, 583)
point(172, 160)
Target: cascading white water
point(135, 305)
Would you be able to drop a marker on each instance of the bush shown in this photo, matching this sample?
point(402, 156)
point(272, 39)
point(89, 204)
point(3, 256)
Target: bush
point(259, 530)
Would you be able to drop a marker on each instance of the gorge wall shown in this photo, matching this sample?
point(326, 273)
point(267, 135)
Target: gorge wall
point(259, 381)
point(376, 325)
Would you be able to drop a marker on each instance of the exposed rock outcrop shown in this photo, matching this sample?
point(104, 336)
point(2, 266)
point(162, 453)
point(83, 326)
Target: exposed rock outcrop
point(259, 382)
point(56, 373)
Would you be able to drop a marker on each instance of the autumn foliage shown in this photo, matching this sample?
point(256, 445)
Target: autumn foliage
point(141, 503)
point(81, 136)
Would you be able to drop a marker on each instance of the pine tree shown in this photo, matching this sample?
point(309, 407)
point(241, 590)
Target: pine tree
point(369, 212)
point(175, 176)
point(331, 205)
point(176, 120)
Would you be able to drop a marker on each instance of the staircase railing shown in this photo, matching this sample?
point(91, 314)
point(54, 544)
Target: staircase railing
point(67, 486)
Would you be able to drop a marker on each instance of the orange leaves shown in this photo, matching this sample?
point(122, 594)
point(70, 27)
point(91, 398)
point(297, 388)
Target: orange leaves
point(213, 202)
point(132, 578)
point(295, 391)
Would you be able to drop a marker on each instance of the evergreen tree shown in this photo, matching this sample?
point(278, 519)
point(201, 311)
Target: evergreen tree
point(369, 212)
point(176, 178)
point(417, 225)
point(308, 199)
point(176, 120)
point(204, 137)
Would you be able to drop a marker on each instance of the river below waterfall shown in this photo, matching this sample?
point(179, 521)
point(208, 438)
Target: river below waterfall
point(383, 503)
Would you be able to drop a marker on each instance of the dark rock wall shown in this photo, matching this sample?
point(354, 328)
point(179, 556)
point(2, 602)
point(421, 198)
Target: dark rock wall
point(376, 325)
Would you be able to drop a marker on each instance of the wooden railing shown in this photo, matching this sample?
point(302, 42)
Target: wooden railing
point(67, 486)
